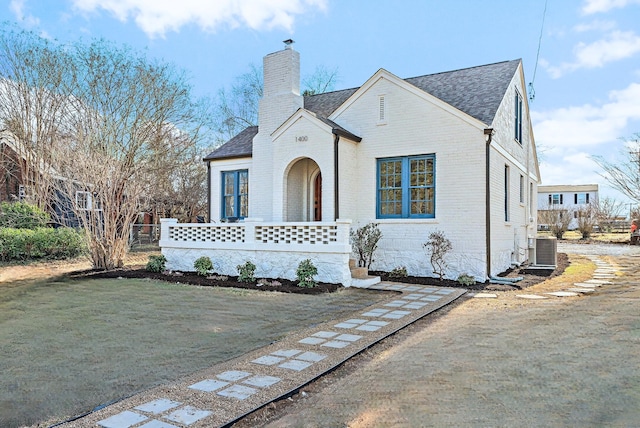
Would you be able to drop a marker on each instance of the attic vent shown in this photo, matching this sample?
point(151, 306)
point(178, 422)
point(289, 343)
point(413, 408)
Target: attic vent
point(382, 112)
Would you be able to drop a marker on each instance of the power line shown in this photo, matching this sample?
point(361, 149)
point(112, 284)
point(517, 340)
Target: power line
point(532, 92)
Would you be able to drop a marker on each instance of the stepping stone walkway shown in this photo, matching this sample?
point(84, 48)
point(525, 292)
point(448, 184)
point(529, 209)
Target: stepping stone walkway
point(222, 394)
point(601, 276)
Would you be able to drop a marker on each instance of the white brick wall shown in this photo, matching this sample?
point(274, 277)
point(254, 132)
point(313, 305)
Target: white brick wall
point(416, 123)
point(217, 168)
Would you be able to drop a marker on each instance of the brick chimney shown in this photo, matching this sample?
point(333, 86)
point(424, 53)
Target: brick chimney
point(281, 92)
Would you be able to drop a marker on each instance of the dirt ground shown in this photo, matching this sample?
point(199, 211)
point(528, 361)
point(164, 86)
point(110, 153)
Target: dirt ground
point(493, 362)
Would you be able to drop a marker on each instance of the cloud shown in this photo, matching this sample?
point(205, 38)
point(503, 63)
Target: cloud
point(157, 17)
point(18, 9)
point(615, 46)
point(598, 6)
point(595, 26)
point(588, 125)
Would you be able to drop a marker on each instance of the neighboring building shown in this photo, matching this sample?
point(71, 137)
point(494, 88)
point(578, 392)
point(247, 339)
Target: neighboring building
point(451, 152)
point(572, 198)
point(11, 188)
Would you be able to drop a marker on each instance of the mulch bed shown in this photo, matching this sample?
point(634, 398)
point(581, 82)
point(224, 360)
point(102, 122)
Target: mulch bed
point(192, 278)
point(530, 277)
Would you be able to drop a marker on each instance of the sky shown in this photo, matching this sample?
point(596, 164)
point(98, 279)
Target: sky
point(582, 57)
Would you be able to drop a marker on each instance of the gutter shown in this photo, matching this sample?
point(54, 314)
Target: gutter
point(488, 133)
point(336, 187)
point(209, 192)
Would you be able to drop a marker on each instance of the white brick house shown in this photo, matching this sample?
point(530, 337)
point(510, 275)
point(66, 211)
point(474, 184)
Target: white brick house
point(451, 151)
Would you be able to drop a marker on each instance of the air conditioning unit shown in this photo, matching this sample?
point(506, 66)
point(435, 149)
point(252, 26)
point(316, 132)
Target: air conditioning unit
point(546, 252)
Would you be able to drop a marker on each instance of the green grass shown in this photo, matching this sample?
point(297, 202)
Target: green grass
point(69, 346)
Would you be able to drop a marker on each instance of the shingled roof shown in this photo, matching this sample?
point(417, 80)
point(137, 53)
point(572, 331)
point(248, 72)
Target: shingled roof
point(476, 91)
point(239, 146)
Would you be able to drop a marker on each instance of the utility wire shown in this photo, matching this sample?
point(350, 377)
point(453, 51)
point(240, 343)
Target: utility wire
point(532, 92)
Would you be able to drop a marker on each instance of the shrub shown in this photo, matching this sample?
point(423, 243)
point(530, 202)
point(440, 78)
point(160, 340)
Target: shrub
point(24, 244)
point(438, 245)
point(246, 272)
point(21, 215)
point(203, 265)
point(156, 263)
point(399, 272)
point(305, 273)
point(465, 279)
point(365, 241)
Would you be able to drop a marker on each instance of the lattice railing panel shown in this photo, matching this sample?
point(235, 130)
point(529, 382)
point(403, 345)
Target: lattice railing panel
point(296, 234)
point(207, 233)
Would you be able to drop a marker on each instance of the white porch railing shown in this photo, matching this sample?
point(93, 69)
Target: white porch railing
point(275, 248)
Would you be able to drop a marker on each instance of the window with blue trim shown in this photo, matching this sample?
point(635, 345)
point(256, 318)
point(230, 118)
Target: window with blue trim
point(406, 187)
point(235, 194)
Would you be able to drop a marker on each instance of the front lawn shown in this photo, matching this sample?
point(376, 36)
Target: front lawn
point(69, 346)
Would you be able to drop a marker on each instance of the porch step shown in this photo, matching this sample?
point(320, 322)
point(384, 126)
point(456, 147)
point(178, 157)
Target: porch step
point(359, 272)
point(352, 263)
point(365, 282)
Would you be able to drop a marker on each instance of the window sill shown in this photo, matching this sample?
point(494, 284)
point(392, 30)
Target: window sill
point(406, 220)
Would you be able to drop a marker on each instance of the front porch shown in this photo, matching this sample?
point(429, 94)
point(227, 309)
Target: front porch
point(276, 248)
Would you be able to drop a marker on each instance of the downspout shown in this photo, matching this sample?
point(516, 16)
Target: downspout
point(209, 192)
point(336, 187)
point(488, 133)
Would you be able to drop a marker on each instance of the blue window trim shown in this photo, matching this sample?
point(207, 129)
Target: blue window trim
point(236, 192)
point(406, 203)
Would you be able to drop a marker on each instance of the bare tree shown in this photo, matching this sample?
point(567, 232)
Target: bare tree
point(624, 175)
point(606, 212)
point(31, 108)
point(322, 80)
point(586, 217)
point(556, 219)
point(237, 106)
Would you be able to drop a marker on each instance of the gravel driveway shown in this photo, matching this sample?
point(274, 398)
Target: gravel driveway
point(560, 362)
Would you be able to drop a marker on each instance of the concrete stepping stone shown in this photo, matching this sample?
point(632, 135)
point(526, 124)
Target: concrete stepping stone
point(562, 293)
point(326, 334)
point(483, 295)
point(209, 385)
point(295, 365)
point(311, 356)
point(233, 375)
point(268, 360)
point(581, 290)
point(124, 419)
point(415, 305)
point(240, 392)
point(337, 344)
point(262, 381)
point(375, 313)
point(586, 284)
point(158, 424)
point(396, 315)
point(312, 340)
point(598, 281)
point(531, 296)
point(188, 415)
point(158, 406)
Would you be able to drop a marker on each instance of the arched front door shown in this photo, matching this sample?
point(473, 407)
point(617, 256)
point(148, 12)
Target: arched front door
point(303, 191)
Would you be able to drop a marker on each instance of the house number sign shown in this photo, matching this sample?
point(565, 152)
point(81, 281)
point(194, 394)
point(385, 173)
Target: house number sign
point(301, 138)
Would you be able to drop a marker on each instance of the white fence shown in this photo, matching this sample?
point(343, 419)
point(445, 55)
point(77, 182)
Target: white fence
point(275, 248)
